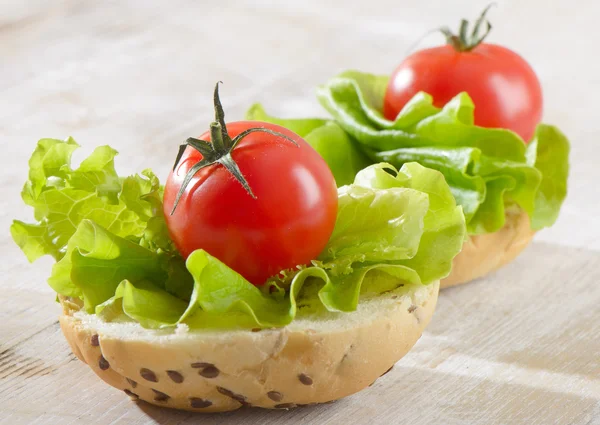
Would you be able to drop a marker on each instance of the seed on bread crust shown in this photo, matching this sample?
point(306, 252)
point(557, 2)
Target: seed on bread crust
point(199, 403)
point(175, 376)
point(160, 396)
point(133, 395)
point(94, 340)
point(275, 395)
point(148, 375)
point(103, 363)
point(237, 397)
point(412, 308)
point(305, 379)
point(209, 372)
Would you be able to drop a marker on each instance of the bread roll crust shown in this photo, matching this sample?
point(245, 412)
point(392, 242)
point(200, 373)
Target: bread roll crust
point(482, 254)
point(309, 361)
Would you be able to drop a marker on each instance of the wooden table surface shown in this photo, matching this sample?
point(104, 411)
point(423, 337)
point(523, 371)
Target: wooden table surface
point(519, 347)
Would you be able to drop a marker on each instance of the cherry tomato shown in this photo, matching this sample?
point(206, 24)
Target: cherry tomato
point(289, 221)
point(505, 90)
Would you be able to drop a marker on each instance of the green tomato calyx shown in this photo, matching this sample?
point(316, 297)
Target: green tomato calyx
point(219, 151)
point(465, 42)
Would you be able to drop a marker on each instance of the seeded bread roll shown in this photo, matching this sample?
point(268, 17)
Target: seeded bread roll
point(482, 254)
point(315, 359)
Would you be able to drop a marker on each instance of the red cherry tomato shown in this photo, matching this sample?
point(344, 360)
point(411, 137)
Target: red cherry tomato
point(289, 222)
point(505, 90)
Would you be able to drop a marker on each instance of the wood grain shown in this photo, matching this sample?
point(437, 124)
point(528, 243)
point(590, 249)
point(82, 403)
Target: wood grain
point(519, 347)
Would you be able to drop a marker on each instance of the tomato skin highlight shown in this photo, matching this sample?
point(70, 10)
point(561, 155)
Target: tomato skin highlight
point(504, 88)
point(289, 222)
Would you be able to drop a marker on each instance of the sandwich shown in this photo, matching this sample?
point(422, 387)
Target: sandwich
point(250, 278)
point(469, 109)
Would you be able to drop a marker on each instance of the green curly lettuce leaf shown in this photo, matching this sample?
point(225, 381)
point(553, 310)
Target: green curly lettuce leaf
point(96, 224)
point(62, 198)
point(487, 169)
point(144, 302)
point(113, 250)
point(335, 146)
point(393, 228)
point(549, 153)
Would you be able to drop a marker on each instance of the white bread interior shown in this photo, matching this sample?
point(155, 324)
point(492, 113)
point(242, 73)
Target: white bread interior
point(482, 254)
point(315, 359)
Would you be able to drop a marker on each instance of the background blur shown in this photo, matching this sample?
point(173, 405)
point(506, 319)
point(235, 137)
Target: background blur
point(139, 75)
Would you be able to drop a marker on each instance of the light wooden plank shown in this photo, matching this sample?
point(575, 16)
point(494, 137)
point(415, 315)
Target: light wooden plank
point(521, 347)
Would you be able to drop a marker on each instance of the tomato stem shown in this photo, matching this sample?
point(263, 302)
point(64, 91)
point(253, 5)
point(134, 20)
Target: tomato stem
point(220, 115)
point(219, 151)
point(216, 136)
point(465, 42)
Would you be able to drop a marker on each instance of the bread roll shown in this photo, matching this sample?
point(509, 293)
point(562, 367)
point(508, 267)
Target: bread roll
point(315, 359)
point(482, 254)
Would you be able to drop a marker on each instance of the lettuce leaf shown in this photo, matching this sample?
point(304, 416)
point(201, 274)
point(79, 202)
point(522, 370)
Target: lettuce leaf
point(335, 146)
point(144, 302)
point(487, 169)
point(97, 261)
point(549, 153)
point(302, 127)
point(443, 223)
point(62, 198)
point(99, 227)
point(393, 228)
point(113, 250)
